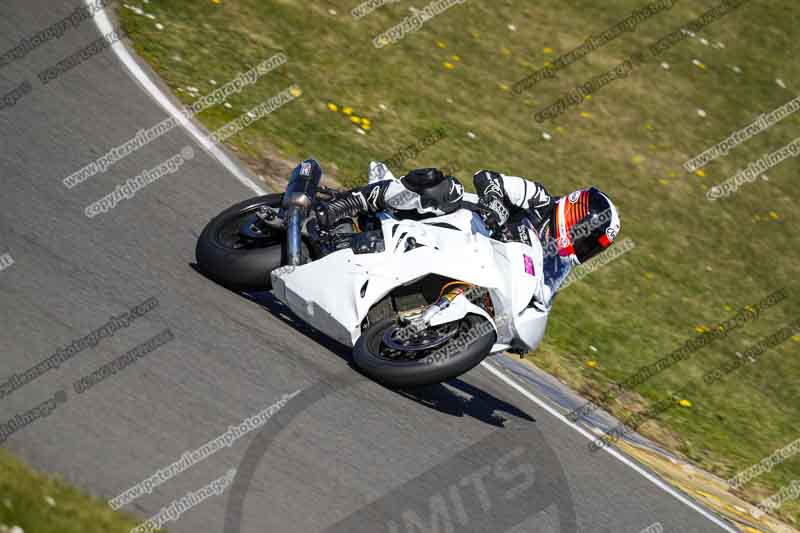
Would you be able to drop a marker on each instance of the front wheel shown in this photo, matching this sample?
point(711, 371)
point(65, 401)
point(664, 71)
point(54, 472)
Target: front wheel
point(442, 352)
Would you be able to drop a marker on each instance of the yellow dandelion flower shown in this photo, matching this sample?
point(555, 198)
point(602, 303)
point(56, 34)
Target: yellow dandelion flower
point(505, 51)
point(217, 1)
point(591, 364)
point(365, 126)
point(548, 50)
point(440, 44)
point(701, 173)
point(796, 338)
point(700, 329)
point(685, 403)
point(773, 215)
point(504, 87)
point(355, 120)
point(333, 107)
point(637, 159)
point(455, 58)
point(347, 110)
point(295, 91)
point(448, 65)
point(365, 120)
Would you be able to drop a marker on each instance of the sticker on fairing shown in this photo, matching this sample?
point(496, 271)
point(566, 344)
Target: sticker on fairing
point(529, 265)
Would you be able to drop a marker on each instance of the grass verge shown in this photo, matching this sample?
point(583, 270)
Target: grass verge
point(33, 502)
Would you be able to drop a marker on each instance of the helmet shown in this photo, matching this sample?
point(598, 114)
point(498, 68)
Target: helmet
point(586, 223)
point(438, 194)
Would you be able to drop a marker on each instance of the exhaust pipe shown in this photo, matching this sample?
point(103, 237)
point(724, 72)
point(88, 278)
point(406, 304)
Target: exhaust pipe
point(297, 200)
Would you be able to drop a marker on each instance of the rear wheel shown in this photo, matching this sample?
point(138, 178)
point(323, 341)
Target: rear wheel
point(388, 355)
point(241, 260)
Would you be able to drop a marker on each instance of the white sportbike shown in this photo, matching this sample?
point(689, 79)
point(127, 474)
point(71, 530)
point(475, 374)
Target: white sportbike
point(419, 301)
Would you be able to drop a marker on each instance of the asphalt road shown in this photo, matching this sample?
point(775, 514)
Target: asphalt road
point(344, 454)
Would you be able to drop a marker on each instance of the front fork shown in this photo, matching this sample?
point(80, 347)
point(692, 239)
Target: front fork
point(421, 321)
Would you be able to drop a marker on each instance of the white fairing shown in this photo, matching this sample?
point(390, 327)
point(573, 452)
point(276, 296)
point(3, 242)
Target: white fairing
point(335, 293)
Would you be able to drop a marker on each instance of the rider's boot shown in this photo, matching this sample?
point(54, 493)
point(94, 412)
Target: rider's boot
point(367, 199)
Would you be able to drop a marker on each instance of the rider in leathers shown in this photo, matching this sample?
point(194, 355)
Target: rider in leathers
point(571, 229)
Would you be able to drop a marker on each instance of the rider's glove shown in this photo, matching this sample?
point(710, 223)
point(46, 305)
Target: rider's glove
point(495, 213)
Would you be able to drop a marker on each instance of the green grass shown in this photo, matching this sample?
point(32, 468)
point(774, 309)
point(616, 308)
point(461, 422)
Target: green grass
point(694, 262)
point(38, 504)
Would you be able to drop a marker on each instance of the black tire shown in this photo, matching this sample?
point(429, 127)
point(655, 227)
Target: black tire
point(234, 266)
point(435, 367)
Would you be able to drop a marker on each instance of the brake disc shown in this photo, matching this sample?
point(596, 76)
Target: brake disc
point(404, 339)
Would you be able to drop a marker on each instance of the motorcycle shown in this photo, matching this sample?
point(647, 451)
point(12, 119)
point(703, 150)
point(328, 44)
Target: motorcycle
point(419, 301)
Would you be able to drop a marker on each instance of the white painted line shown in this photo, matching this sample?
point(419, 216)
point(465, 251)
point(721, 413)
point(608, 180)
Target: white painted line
point(104, 25)
point(618, 455)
